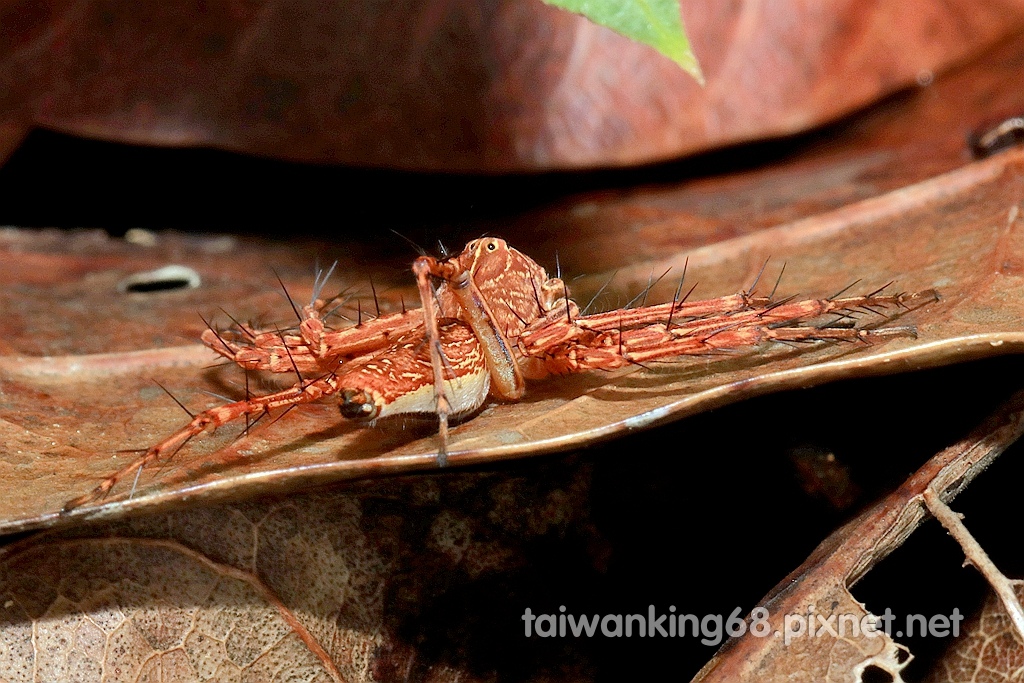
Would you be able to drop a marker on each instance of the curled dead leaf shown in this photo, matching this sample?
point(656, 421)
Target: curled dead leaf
point(532, 88)
point(821, 585)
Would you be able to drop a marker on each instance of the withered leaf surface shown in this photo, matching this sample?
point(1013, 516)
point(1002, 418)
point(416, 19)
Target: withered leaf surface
point(65, 417)
point(988, 648)
point(224, 590)
point(892, 198)
point(917, 135)
point(310, 587)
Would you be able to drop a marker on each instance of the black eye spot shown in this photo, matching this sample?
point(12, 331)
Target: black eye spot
point(491, 246)
point(356, 405)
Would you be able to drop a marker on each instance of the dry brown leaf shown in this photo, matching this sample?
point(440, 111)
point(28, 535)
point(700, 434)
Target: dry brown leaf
point(312, 587)
point(77, 355)
point(455, 85)
point(64, 416)
point(168, 613)
point(373, 574)
point(988, 648)
point(913, 137)
point(844, 558)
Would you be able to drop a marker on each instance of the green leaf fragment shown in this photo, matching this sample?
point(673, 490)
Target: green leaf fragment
point(657, 23)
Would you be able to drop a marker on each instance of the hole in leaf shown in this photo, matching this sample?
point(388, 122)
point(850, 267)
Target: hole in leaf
point(876, 674)
point(168, 278)
point(996, 137)
point(157, 286)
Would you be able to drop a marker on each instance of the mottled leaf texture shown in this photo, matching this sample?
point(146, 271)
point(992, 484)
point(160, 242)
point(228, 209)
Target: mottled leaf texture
point(653, 22)
point(312, 587)
point(211, 610)
point(988, 648)
point(168, 613)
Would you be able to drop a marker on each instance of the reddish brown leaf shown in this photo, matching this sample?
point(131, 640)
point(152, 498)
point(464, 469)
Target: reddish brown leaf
point(447, 85)
point(79, 355)
point(917, 135)
point(956, 233)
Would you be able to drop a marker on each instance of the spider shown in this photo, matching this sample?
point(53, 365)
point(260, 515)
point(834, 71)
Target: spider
point(495, 320)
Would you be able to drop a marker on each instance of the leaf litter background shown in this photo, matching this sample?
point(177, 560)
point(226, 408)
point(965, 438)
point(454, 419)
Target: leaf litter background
point(379, 578)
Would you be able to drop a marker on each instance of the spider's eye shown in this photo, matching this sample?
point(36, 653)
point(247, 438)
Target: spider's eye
point(471, 246)
point(491, 246)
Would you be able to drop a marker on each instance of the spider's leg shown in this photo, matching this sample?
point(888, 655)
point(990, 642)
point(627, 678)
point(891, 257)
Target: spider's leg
point(310, 390)
point(316, 349)
point(566, 349)
point(423, 268)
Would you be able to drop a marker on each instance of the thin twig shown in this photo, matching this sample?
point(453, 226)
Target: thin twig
point(977, 556)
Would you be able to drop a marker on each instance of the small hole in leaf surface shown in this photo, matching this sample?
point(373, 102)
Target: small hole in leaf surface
point(876, 674)
point(166, 279)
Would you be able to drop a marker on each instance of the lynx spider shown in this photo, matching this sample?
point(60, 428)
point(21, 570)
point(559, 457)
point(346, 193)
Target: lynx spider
point(495, 321)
